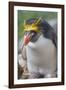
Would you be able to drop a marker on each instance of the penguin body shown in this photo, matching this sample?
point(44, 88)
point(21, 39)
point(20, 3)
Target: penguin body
point(41, 49)
point(41, 57)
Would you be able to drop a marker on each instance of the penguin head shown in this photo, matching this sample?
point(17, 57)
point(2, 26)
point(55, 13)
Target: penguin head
point(34, 27)
point(31, 28)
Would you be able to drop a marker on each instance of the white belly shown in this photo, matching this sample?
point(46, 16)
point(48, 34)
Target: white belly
point(41, 56)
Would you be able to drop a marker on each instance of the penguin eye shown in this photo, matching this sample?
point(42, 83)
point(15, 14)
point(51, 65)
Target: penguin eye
point(33, 32)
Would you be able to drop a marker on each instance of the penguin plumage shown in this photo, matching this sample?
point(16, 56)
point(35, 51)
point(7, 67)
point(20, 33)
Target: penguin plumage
point(40, 40)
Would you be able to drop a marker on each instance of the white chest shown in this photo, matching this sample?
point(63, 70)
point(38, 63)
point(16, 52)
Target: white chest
point(41, 56)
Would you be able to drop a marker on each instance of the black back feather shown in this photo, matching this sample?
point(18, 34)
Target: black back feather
point(48, 31)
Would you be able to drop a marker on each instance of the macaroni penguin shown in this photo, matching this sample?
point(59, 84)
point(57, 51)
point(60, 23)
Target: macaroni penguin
point(40, 43)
